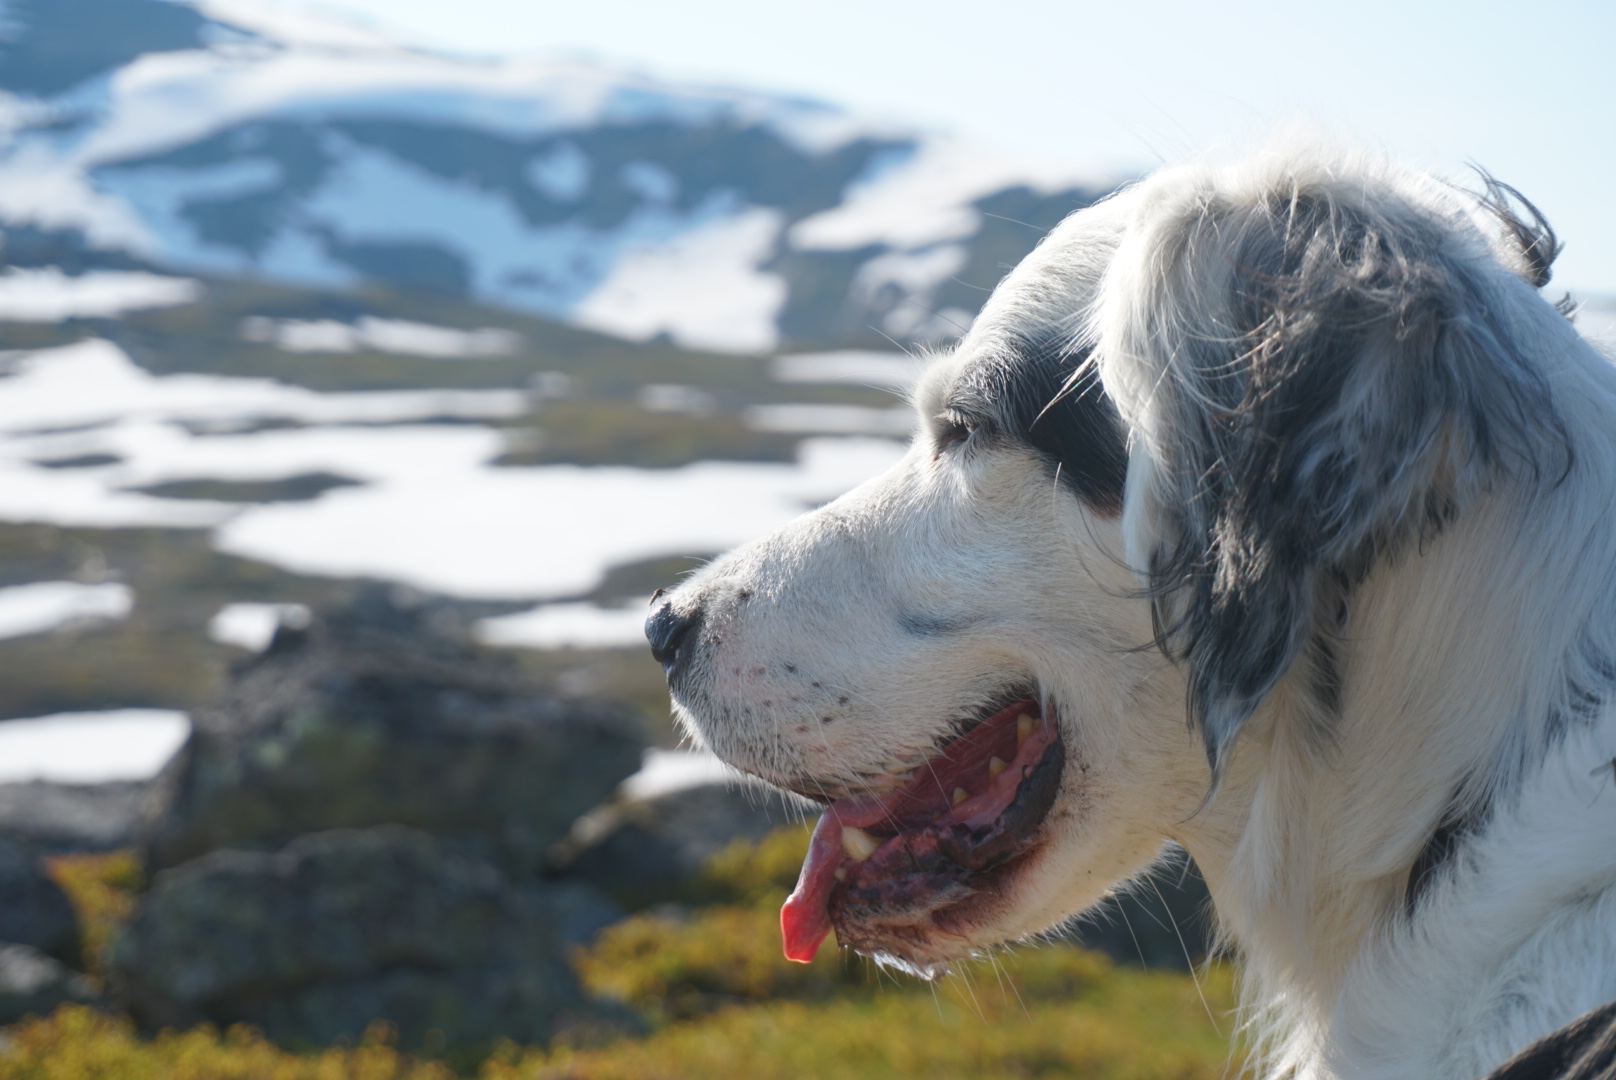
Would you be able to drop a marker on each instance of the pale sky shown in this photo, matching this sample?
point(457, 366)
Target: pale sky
point(1526, 89)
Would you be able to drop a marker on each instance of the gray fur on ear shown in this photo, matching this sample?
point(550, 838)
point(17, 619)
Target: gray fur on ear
point(1333, 377)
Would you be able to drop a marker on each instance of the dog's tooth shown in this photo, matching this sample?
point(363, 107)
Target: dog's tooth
point(995, 767)
point(858, 844)
point(960, 795)
point(1024, 727)
point(841, 873)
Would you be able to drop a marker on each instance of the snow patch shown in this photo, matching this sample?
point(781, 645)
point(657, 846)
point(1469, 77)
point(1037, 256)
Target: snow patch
point(898, 422)
point(913, 272)
point(703, 287)
point(39, 188)
point(568, 626)
point(252, 626)
point(89, 398)
point(431, 512)
point(295, 26)
point(563, 173)
point(450, 524)
point(667, 771)
point(913, 200)
point(549, 269)
point(91, 747)
point(170, 99)
point(94, 382)
point(49, 605)
point(384, 335)
point(159, 195)
point(48, 295)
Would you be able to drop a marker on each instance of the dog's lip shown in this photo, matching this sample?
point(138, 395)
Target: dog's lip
point(874, 787)
point(932, 842)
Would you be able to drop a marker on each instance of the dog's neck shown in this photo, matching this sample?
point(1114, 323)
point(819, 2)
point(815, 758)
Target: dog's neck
point(1367, 875)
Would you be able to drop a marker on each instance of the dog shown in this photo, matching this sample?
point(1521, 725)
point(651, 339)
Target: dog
point(1267, 509)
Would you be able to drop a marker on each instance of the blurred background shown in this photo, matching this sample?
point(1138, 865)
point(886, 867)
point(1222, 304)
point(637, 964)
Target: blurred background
point(364, 368)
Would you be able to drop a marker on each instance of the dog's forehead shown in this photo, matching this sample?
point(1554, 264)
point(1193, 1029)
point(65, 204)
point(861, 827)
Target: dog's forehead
point(1049, 295)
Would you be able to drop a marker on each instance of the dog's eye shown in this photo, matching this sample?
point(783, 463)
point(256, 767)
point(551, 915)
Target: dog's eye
point(953, 430)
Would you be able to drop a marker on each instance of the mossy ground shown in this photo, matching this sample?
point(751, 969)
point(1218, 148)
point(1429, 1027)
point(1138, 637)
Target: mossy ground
point(721, 1003)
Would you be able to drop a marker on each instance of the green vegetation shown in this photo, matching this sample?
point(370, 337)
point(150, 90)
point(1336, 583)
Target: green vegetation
point(77, 1043)
point(721, 1002)
point(1125, 1025)
point(104, 889)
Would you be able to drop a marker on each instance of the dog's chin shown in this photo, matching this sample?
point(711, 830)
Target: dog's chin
point(922, 874)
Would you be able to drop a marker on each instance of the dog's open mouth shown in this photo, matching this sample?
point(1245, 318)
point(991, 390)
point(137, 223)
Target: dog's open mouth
point(890, 873)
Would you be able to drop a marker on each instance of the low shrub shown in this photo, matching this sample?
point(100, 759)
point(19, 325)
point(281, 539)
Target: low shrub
point(672, 969)
point(78, 1043)
point(1123, 1025)
point(757, 873)
point(102, 889)
point(722, 1003)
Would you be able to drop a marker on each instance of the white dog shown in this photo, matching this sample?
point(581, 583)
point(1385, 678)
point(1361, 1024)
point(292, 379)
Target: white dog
point(1293, 449)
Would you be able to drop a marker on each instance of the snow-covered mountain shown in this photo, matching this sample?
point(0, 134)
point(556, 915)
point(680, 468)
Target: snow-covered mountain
point(230, 139)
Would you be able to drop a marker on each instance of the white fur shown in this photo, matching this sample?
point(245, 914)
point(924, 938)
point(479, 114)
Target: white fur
point(1456, 648)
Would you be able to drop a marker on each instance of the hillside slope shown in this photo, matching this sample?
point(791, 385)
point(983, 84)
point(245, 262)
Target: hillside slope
point(228, 139)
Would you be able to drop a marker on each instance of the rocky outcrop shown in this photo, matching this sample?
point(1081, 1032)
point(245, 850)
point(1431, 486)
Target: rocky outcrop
point(33, 909)
point(58, 818)
point(651, 850)
point(32, 983)
point(39, 938)
point(360, 830)
point(385, 713)
point(314, 942)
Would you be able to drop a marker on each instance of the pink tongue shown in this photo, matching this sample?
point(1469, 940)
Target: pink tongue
point(805, 919)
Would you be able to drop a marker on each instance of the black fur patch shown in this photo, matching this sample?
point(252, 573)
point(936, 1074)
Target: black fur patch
point(1333, 400)
point(1436, 854)
point(1049, 397)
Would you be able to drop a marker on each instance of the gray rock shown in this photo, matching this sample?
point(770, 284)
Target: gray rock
point(61, 818)
point(346, 927)
point(382, 713)
point(33, 983)
point(649, 851)
point(33, 909)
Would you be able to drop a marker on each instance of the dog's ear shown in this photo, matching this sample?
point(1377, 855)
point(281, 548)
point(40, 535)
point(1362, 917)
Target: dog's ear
point(1317, 376)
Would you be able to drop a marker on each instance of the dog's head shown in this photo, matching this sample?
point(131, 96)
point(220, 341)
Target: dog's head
point(1144, 486)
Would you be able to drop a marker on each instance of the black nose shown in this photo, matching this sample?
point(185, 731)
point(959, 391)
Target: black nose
point(666, 630)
